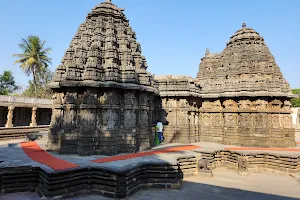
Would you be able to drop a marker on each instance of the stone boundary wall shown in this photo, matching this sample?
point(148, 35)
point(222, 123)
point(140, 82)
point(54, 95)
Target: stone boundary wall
point(121, 184)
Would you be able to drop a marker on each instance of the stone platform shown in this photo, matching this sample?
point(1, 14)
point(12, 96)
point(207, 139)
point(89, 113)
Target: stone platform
point(20, 132)
point(27, 167)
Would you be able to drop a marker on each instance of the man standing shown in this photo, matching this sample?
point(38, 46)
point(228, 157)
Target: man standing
point(160, 129)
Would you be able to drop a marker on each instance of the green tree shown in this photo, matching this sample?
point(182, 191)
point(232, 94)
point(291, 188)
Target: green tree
point(34, 58)
point(7, 83)
point(42, 91)
point(296, 101)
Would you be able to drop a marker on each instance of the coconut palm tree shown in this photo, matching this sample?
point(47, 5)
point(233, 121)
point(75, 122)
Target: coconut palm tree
point(34, 57)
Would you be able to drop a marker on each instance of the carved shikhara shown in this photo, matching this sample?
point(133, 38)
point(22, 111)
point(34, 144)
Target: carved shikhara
point(105, 101)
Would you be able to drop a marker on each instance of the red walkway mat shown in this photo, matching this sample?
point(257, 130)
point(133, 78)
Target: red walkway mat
point(36, 153)
point(261, 149)
point(147, 153)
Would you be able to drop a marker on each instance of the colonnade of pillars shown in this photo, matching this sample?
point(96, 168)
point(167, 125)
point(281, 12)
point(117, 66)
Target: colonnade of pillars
point(21, 116)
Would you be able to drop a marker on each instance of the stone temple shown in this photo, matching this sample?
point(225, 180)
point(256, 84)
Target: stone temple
point(104, 96)
point(239, 98)
point(105, 101)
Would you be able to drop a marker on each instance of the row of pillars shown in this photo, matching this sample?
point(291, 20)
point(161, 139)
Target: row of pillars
point(10, 114)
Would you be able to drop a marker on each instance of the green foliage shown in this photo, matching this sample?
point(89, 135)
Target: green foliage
point(296, 101)
point(34, 58)
point(296, 91)
point(7, 83)
point(41, 91)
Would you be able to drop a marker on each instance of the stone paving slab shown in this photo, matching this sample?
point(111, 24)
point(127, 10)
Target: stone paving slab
point(15, 156)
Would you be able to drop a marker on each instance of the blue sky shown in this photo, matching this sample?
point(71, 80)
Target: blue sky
point(173, 33)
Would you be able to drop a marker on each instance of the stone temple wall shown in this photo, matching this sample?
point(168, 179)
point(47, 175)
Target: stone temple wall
point(180, 108)
point(247, 122)
point(251, 121)
point(108, 121)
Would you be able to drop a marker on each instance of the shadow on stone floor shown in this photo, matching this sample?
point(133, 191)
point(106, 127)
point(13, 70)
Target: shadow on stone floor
point(195, 190)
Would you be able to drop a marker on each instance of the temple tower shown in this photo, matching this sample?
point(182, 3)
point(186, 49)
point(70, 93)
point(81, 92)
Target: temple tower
point(246, 100)
point(104, 98)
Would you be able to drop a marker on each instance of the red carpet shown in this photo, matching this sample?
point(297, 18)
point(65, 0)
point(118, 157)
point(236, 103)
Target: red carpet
point(261, 149)
point(36, 153)
point(147, 153)
point(298, 142)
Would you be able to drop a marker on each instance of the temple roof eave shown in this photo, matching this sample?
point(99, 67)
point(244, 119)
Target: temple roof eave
point(102, 84)
point(226, 94)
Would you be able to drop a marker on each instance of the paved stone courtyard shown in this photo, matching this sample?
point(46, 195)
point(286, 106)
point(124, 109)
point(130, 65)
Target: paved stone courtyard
point(225, 184)
point(15, 156)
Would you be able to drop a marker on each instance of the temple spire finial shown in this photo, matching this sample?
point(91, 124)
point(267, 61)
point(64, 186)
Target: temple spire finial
point(244, 25)
point(207, 52)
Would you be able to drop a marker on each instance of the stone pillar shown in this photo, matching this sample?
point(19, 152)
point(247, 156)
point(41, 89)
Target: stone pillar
point(10, 115)
point(33, 117)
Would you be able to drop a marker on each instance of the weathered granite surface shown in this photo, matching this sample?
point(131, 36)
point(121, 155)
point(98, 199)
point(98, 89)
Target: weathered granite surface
point(104, 99)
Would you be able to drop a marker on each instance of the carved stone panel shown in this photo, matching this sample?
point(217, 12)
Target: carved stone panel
point(207, 119)
point(242, 164)
point(231, 119)
point(129, 118)
point(230, 104)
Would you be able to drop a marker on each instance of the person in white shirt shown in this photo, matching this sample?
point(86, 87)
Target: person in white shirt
point(160, 129)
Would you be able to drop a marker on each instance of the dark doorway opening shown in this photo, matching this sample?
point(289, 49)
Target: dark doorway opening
point(43, 116)
point(22, 116)
point(3, 116)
